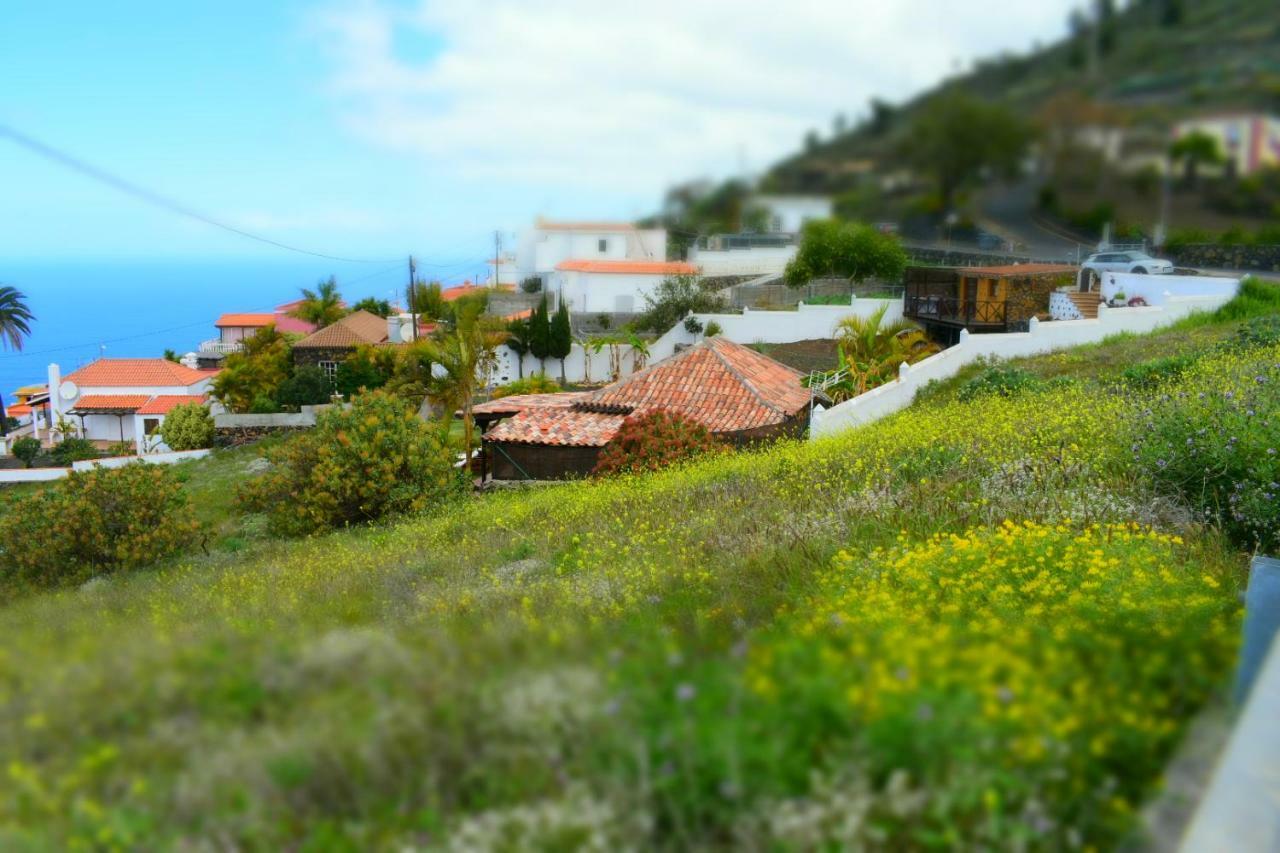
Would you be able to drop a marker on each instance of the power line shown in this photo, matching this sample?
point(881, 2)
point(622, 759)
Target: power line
point(128, 188)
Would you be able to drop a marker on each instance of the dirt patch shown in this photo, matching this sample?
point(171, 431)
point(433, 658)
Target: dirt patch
point(805, 356)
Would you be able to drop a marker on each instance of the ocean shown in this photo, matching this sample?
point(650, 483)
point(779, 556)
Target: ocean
point(138, 308)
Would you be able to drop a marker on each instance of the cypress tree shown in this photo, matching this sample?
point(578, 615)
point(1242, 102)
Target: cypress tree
point(540, 334)
point(561, 338)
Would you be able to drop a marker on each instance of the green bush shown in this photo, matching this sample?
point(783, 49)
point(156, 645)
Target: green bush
point(538, 383)
point(655, 440)
point(712, 329)
point(308, 386)
point(187, 427)
point(122, 448)
point(1256, 298)
point(27, 449)
point(1152, 374)
point(73, 450)
point(1004, 381)
point(263, 405)
point(94, 522)
point(360, 463)
point(366, 369)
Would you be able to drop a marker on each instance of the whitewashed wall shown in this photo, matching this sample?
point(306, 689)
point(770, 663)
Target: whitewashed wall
point(1157, 289)
point(1042, 338)
point(758, 260)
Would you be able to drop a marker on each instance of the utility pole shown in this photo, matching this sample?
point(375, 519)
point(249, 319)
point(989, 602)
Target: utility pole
point(497, 256)
point(413, 302)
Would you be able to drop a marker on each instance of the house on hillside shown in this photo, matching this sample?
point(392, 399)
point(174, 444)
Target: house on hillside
point(1249, 142)
point(945, 300)
point(788, 214)
point(735, 392)
point(611, 287)
point(328, 347)
point(234, 327)
point(124, 399)
point(548, 244)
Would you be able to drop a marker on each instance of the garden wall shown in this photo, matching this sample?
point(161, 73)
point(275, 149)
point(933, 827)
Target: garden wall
point(1041, 338)
point(1214, 256)
point(1157, 289)
point(44, 475)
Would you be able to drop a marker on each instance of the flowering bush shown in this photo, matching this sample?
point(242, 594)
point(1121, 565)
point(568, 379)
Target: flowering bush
point(1220, 448)
point(655, 440)
point(360, 463)
point(187, 427)
point(1027, 648)
point(94, 522)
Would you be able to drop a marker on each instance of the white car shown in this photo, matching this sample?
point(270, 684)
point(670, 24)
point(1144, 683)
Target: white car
point(1135, 262)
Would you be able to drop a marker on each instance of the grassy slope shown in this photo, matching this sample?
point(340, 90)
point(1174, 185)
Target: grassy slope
point(371, 685)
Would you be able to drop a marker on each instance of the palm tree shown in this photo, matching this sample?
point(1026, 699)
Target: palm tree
point(465, 355)
point(1194, 149)
point(321, 306)
point(15, 327)
point(871, 349)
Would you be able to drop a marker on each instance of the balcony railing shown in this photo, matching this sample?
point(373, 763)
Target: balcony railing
point(942, 305)
point(221, 347)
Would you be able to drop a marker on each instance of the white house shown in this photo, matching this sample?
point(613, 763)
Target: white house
point(549, 244)
point(611, 287)
point(1251, 141)
point(788, 214)
point(124, 399)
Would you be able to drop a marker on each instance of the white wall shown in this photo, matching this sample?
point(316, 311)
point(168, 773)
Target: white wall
point(595, 293)
point(542, 250)
point(757, 260)
point(789, 213)
point(1043, 337)
point(1157, 289)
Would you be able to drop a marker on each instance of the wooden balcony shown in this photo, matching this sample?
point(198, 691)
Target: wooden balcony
point(933, 303)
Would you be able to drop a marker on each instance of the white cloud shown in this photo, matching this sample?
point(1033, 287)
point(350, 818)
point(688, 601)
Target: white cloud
point(628, 97)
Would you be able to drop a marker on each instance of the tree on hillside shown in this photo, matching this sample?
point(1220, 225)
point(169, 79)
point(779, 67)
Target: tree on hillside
point(424, 299)
point(520, 340)
point(381, 307)
point(561, 339)
point(255, 372)
point(1194, 149)
point(321, 306)
point(540, 334)
point(15, 327)
point(465, 355)
point(674, 298)
point(958, 138)
point(850, 250)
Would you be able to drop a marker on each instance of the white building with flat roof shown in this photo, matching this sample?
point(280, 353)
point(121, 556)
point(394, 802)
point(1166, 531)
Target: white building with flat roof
point(611, 287)
point(548, 244)
point(787, 214)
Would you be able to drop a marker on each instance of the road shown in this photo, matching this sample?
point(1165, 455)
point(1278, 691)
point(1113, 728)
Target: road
point(1008, 210)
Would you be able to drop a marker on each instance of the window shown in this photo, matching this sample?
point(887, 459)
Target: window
point(330, 369)
point(603, 244)
point(150, 425)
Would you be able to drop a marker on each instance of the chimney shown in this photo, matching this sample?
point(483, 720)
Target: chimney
point(55, 398)
point(393, 329)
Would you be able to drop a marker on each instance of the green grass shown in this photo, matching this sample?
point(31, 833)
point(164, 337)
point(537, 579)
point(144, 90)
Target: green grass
point(657, 661)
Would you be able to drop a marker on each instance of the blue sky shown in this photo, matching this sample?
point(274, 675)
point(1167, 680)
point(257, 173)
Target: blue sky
point(375, 128)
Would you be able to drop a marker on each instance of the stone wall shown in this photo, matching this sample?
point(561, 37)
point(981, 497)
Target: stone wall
point(1214, 256)
point(964, 258)
point(240, 436)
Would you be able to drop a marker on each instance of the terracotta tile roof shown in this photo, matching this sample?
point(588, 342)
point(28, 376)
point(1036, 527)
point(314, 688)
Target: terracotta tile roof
point(465, 289)
point(18, 409)
point(136, 372)
point(161, 404)
point(520, 402)
point(631, 267)
point(111, 402)
point(1005, 270)
point(28, 390)
point(359, 327)
point(245, 320)
point(285, 323)
point(558, 426)
point(549, 225)
point(725, 386)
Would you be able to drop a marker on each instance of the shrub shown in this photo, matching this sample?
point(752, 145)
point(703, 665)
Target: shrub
point(73, 450)
point(1220, 449)
point(366, 369)
point(27, 449)
point(187, 427)
point(712, 329)
point(308, 386)
point(1152, 374)
point(672, 299)
point(538, 383)
point(1004, 381)
point(94, 522)
point(1256, 298)
point(692, 325)
point(654, 440)
point(122, 448)
point(263, 405)
point(369, 460)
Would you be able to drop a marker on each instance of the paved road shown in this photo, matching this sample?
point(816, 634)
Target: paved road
point(1007, 211)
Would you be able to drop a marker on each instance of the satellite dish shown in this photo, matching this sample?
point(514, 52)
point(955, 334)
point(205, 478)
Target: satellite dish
point(68, 390)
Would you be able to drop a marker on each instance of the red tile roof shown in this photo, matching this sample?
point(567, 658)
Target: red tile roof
point(111, 402)
point(630, 267)
point(285, 323)
point(1006, 270)
point(564, 427)
point(107, 372)
point(18, 409)
point(162, 404)
point(358, 327)
point(520, 402)
point(245, 320)
point(725, 386)
point(465, 289)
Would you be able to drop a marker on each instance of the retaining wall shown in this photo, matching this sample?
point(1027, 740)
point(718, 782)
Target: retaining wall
point(44, 475)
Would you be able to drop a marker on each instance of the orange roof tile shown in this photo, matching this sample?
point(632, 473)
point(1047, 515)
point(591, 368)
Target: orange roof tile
point(725, 386)
point(358, 327)
point(111, 402)
point(107, 372)
point(18, 409)
point(564, 427)
point(452, 293)
point(631, 267)
point(162, 404)
point(520, 402)
point(245, 320)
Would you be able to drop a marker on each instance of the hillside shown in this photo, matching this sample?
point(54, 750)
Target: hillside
point(975, 622)
point(1219, 55)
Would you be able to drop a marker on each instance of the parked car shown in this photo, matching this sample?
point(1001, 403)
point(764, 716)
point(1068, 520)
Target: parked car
point(1136, 262)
